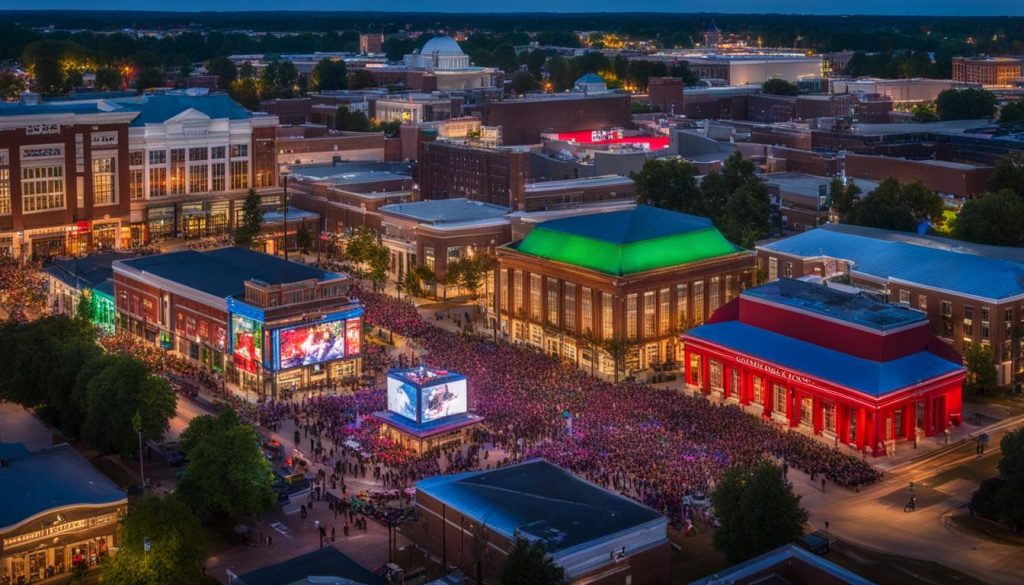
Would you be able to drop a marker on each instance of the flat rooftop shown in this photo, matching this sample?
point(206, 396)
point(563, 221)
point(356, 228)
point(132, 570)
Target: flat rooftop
point(88, 271)
point(829, 302)
point(540, 500)
point(223, 272)
point(447, 211)
point(581, 183)
point(919, 127)
point(804, 185)
point(34, 482)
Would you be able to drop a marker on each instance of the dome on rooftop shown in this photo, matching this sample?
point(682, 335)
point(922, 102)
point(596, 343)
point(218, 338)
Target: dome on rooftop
point(441, 46)
point(590, 78)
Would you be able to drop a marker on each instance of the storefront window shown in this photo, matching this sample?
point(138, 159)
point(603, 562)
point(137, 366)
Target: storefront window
point(828, 410)
point(715, 375)
point(695, 369)
point(535, 297)
point(779, 398)
point(631, 300)
point(758, 385)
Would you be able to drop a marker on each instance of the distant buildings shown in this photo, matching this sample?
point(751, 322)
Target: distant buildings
point(523, 120)
point(988, 71)
point(371, 43)
point(439, 66)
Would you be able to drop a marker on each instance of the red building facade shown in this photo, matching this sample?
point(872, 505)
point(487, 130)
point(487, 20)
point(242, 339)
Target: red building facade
point(865, 373)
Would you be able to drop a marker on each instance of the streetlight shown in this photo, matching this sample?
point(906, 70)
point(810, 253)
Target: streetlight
point(137, 427)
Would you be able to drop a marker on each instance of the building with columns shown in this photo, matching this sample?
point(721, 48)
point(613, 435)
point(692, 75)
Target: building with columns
point(865, 373)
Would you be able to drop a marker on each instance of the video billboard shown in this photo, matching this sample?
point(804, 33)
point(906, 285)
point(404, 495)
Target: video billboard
point(443, 400)
point(246, 343)
point(311, 344)
point(402, 398)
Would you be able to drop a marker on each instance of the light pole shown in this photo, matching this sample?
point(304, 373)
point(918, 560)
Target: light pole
point(137, 427)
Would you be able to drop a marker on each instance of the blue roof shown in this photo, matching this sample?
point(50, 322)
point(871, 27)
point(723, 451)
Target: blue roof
point(324, 562)
point(869, 377)
point(541, 500)
point(223, 272)
point(446, 211)
point(294, 214)
point(642, 222)
point(590, 78)
point(67, 107)
point(12, 450)
point(33, 483)
point(86, 272)
point(933, 263)
point(159, 107)
point(829, 302)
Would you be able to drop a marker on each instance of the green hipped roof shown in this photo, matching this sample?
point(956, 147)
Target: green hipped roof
point(615, 243)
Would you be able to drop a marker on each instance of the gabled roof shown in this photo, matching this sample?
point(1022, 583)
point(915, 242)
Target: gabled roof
point(159, 108)
point(627, 241)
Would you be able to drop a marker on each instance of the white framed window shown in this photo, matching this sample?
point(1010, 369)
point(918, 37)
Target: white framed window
point(104, 180)
point(42, 188)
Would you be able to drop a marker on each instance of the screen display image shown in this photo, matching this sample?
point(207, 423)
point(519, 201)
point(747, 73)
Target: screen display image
point(312, 344)
point(402, 398)
point(352, 339)
point(443, 400)
point(247, 343)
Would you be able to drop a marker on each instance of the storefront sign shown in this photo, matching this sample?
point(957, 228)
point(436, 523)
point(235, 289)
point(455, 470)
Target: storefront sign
point(37, 129)
point(772, 370)
point(42, 152)
point(104, 139)
point(46, 532)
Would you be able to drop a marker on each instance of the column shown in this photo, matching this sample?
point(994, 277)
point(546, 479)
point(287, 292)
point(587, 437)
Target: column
point(793, 406)
point(842, 422)
point(686, 366)
point(869, 431)
point(954, 403)
point(705, 371)
point(862, 424)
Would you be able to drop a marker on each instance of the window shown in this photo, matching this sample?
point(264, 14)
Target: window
point(104, 181)
point(968, 321)
point(157, 157)
point(649, 314)
point(587, 309)
point(239, 150)
point(157, 182)
point(695, 369)
point(828, 410)
point(5, 183)
point(984, 324)
point(239, 174)
point(905, 298)
point(452, 253)
point(607, 320)
point(789, 270)
point(947, 309)
point(947, 319)
point(922, 302)
point(569, 308)
point(535, 297)
point(713, 294)
point(664, 312)
point(198, 178)
point(773, 269)
point(177, 174)
point(198, 153)
point(218, 152)
point(428, 257)
point(503, 285)
point(715, 375)
point(698, 303)
point(42, 188)
point(631, 300)
point(517, 298)
point(758, 385)
point(217, 171)
point(137, 184)
point(779, 398)
point(682, 304)
point(552, 304)
point(734, 383)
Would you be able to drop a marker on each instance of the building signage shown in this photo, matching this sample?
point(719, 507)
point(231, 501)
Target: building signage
point(41, 152)
point(37, 129)
point(46, 532)
point(104, 139)
point(773, 370)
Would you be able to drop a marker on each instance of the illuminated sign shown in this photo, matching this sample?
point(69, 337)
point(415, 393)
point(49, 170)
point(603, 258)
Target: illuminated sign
point(312, 344)
point(773, 370)
point(246, 343)
point(425, 398)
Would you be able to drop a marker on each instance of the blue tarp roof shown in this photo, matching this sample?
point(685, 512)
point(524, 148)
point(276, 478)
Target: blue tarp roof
point(935, 265)
point(541, 499)
point(48, 479)
point(643, 222)
point(223, 272)
point(870, 377)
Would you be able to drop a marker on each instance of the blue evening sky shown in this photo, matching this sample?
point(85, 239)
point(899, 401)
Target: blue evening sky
point(929, 7)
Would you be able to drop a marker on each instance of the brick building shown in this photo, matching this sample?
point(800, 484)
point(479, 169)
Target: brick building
point(492, 175)
point(523, 120)
point(349, 195)
point(638, 276)
point(371, 43)
point(316, 145)
point(988, 71)
point(970, 293)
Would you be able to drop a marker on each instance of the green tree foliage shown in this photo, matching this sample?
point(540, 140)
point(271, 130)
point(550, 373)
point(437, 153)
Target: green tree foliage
point(351, 120)
point(1008, 174)
point(247, 233)
point(304, 238)
point(397, 47)
point(364, 247)
point(361, 79)
point(246, 92)
point(980, 361)
point(11, 85)
point(84, 309)
point(924, 203)
point(843, 198)
point(1002, 498)
point(176, 551)
point(468, 272)
point(924, 113)
point(329, 75)
point(992, 218)
point(227, 475)
point(965, 104)
point(126, 387)
point(745, 217)
point(224, 69)
point(891, 65)
point(895, 206)
point(757, 512)
point(524, 81)
point(46, 60)
point(149, 77)
point(278, 80)
point(670, 183)
point(529, 564)
point(1012, 114)
point(779, 87)
point(108, 78)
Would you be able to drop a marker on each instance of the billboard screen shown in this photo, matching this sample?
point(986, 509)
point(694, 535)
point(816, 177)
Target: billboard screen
point(352, 336)
point(246, 343)
point(402, 398)
point(443, 400)
point(311, 344)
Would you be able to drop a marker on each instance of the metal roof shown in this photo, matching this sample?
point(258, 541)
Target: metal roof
point(830, 302)
point(446, 211)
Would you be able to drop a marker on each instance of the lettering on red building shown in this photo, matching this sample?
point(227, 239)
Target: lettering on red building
point(774, 371)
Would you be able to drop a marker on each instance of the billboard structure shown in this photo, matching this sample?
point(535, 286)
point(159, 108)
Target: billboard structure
point(316, 343)
point(424, 395)
point(247, 343)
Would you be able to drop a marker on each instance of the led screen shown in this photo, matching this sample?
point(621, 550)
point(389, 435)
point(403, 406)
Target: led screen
point(247, 343)
point(443, 400)
point(402, 398)
point(312, 344)
point(352, 336)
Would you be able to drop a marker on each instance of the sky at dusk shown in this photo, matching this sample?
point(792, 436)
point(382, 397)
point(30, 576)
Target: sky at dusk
point(924, 7)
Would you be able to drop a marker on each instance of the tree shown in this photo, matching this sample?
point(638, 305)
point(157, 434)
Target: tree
point(224, 69)
point(350, 120)
point(669, 183)
point(149, 77)
point(924, 203)
point(162, 543)
point(1002, 498)
point(992, 218)
point(22, 288)
point(246, 92)
point(718, 186)
point(125, 387)
point(11, 85)
point(45, 60)
point(329, 75)
point(468, 272)
point(528, 563)
point(84, 309)
point(108, 78)
point(397, 47)
point(924, 113)
point(757, 512)
point(247, 233)
point(304, 238)
point(844, 197)
point(361, 79)
point(278, 80)
point(391, 129)
point(965, 104)
point(746, 214)
point(227, 475)
point(779, 87)
point(524, 81)
point(1011, 114)
point(884, 208)
point(364, 247)
point(980, 361)
point(1008, 174)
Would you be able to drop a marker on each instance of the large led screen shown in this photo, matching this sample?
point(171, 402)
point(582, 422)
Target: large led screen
point(246, 343)
point(402, 398)
point(312, 344)
point(443, 400)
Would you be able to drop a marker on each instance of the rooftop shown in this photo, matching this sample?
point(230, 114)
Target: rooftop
point(323, 563)
point(441, 212)
point(32, 483)
point(150, 108)
point(541, 500)
point(804, 185)
point(776, 567)
point(582, 182)
point(223, 272)
point(627, 241)
point(86, 272)
point(985, 272)
point(829, 302)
